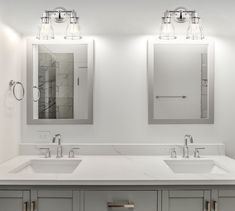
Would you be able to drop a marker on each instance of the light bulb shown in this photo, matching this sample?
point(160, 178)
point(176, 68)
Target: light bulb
point(46, 31)
point(195, 29)
point(167, 31)
point(73, 28)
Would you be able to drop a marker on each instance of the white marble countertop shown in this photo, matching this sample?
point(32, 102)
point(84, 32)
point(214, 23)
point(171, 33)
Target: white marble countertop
point(118, 170)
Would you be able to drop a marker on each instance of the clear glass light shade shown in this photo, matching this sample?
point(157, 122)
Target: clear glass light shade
point(167, 31)
point(45, 32)
point(195, 30)
point(73, 31)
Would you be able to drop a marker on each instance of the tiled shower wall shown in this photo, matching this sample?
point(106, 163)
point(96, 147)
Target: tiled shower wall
point(64, 85)
point(56, 85)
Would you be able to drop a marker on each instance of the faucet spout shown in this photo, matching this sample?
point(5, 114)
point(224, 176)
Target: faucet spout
point(57, 138)
point(187, 138)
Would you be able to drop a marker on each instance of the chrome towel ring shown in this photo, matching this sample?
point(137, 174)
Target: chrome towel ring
point(13, 85)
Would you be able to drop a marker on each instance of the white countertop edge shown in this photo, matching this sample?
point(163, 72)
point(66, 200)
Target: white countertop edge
point(120, 144)
point(118, 183)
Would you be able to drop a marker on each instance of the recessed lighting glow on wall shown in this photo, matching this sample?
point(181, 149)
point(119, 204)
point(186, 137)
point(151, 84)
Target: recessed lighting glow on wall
point(181, 15)
point(59, 15)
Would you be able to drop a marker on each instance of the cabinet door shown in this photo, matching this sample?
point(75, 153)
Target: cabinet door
point(186, 200)
point(223, 200)
point(120, 200)
point(54, 200)
point(14, 200)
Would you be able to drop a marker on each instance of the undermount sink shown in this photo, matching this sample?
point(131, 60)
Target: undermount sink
point(48, 167)
point(195, 167)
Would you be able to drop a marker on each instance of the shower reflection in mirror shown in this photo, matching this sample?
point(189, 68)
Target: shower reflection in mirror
point(60, 88)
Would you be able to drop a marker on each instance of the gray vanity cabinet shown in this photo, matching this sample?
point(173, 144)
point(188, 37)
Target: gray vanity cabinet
point(64, 199)
point(120, 200)
point(223, 200)
point(186, 200)
point(54, 200)
point(14, 200)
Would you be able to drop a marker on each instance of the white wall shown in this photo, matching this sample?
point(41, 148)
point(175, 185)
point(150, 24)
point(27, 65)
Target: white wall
point(225, 92)
point(120, 93)
point(10, 69)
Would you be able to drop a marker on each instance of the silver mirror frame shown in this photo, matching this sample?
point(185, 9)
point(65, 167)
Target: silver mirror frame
point(30, 120)
point(150, 78)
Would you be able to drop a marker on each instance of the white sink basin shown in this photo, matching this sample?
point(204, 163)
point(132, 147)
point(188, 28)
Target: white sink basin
point(195, 167)
point(48, 167)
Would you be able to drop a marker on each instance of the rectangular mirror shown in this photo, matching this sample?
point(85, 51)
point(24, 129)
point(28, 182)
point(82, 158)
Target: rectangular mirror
point(181, 82)
point(60, 83)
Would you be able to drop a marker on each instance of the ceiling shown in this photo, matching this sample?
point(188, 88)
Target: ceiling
point(119, 17)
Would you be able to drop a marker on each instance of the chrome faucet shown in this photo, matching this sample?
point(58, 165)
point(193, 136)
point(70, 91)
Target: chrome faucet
point(187, 138)
point(59, 153)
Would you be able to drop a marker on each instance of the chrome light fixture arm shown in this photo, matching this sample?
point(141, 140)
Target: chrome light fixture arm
point(181, 15)
point(59, 15)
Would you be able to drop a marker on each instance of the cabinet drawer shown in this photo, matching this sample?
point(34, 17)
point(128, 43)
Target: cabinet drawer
point(120, 200)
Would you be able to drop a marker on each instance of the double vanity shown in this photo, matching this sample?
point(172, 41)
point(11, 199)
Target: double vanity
point(98, 177)
point(116, 84)
point(103, 177)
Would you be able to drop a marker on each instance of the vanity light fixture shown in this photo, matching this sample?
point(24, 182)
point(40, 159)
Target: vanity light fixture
point(59, 15)
point(181, 15)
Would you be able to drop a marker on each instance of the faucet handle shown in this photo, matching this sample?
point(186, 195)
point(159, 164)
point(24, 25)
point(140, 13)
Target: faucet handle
point(196, 152)
point(72, 153)
point(173, 153)
point(47, 153)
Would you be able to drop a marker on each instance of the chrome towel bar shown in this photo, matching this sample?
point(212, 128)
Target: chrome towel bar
point(183, 97)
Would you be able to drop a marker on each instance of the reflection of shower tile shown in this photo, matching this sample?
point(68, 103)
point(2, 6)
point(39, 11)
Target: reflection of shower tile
point(204, 73)
point(65, 92)
point(47, 108)
point(65, 62)
point(64, 101)
point(64, 80)
point(45, 59)
point(59, 70)
point(51, 74)
point(65, 112)
point(204, 106)
point(204, 90)
point(64, 57)
point(66, 67)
